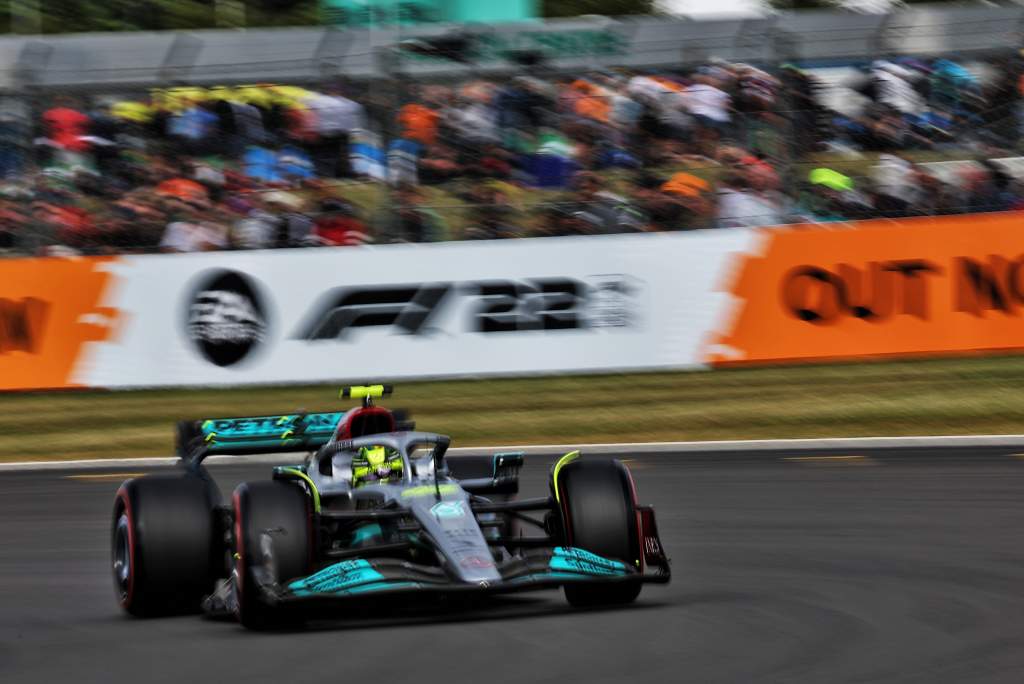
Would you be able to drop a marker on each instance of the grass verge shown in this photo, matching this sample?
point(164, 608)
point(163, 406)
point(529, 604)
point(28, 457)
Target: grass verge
point(978, 395)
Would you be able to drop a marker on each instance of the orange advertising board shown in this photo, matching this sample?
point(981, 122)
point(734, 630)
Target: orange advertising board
point(49, 309)
point(885, 287)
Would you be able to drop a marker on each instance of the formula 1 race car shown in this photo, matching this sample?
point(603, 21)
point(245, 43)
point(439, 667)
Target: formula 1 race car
point(375, 509)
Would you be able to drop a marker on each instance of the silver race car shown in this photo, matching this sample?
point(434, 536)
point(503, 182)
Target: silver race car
point(374, 511)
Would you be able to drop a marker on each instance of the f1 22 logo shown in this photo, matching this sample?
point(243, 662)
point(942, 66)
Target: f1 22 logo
point(489, 306)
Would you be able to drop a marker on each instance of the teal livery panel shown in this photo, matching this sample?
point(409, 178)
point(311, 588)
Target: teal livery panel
point(289, 432)
point(563, 564)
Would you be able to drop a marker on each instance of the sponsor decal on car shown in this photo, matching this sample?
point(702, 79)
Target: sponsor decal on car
point(272, 425)
point(448, 509)
point(430, 490)
point(476, 562)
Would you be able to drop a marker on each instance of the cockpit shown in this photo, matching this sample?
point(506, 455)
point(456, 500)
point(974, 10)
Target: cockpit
point(397, 458)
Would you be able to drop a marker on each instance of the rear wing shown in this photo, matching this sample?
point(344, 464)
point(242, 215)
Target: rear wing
point(256, 434)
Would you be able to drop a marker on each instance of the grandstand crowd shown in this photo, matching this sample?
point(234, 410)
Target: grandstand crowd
point(722, 145)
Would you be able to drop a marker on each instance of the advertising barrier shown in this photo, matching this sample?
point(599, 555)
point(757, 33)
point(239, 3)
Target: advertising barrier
point(395, 311)
point(909, 287)
point(660, 301)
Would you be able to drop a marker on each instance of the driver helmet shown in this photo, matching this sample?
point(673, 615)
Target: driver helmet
point(376, 463)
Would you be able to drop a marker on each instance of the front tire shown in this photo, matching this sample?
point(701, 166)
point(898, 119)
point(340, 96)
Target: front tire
point(285, 510)
point(164, 546)
point(598, 506)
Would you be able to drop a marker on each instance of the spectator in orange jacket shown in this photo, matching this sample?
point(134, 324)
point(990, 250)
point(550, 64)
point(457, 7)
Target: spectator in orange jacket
point(419, 123)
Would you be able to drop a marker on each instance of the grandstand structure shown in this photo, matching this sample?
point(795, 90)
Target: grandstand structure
point(808, 58)
point(309, 55)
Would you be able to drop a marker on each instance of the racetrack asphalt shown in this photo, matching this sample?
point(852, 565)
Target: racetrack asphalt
point(855, 566)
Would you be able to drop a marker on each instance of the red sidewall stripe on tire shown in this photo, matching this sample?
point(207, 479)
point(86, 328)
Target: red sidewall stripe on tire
point(636, 514)
point(122, 495)
point(239, 561)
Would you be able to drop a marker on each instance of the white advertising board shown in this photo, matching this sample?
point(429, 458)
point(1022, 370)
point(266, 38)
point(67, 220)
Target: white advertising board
point(410, 311)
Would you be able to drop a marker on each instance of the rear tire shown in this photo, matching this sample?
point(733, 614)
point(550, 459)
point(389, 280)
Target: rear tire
point(599, 515)
point(165, 551)
point(277, 506)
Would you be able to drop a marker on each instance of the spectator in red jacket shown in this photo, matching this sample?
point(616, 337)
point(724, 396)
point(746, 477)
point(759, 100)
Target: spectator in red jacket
point(66, 127)
point(339, 225)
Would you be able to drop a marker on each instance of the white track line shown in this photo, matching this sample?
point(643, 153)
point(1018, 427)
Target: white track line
point(756, 445)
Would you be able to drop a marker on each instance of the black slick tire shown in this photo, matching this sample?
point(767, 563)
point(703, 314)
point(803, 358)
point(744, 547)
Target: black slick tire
point(165, 550)
point(283, 509)
point(471, 467)
point(598, 507)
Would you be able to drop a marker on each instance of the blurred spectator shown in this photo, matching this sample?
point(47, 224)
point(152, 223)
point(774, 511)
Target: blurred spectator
point(591, 101)
point(489, 161)
point(700, 146)
point(822, 199)
point(710, 107)
point(936, 198)
point(14, 137)
point(411, 221)
point(472, 118)
point(492, 217)
point(602, 211)
point(419, 123)
point(193, 127)
point(989, 189)
point(893, 86)
point(339, 225)
point(952, 87)
point(438, 164)
point(741, 205)
point(12, 223)
point(191, 233)
point(295, 228)
point(336, 117)
point(524, 105)
point(561, 220)
point(65, 126)
point(807, 116)
point(133, 225)
point(183, 188)
point(692, 197)
point(553, 159)
point(895, 185)
point(257, 229)
point(662, 210)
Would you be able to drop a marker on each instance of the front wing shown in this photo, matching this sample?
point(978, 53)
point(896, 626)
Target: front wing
point(361, 577)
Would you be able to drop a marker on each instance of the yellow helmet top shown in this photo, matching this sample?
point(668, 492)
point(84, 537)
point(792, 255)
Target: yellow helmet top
point(374, 455)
